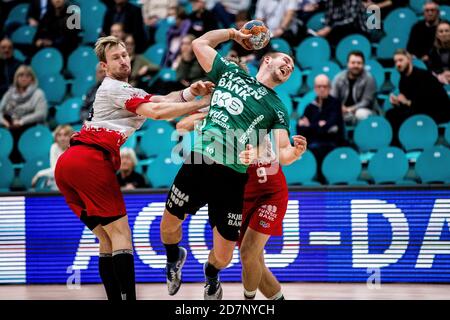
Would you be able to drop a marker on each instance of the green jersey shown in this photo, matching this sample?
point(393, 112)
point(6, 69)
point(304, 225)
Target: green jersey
point(242, 112)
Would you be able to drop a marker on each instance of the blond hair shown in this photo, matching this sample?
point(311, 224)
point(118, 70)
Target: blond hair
point(63, 127)
point(129, 152)
point(104, 43)
point(24, 69)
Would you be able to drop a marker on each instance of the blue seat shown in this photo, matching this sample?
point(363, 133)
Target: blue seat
point(6, 143)
point(372, 133)
point(18, 14)
point(69, 111)
point(301, 171)
point(417, 5)
point(328, 68)
point(312, 51)
point(388, 165)
point(225, 48)
point(162, 171)
point(351, 43)
point(81, 84)
point(342, 166)
point(445, 12)
point(305, 101)
point(82, 61)
point(377, 72)
point(252, 69)
point(54, 87)
point(47, 61)
point(447, 88)
point(432, 166)
point(6, 174)
point(24, 35)
point(31, 167)
point(19, 55)
point(157, 139)
point(447, 133)
point(316, 22)
point(167, 75)
point(161, 31)
point(35, 142)
point(293, 84)
point(131, 142)
point(388, 45)
point(155, 53)
point(418, 133)
point(399, 22)
point(92, 26)
point(287, 101)
point(281, 45)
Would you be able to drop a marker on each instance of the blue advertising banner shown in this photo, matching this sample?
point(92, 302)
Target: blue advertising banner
point(343, 235)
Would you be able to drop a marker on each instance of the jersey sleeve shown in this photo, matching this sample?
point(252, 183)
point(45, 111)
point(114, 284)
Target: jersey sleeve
point(219, 67)
point(281, 117)
point(129, 98)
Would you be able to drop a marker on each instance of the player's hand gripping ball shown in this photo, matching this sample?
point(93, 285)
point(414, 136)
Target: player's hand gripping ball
point(260, 35)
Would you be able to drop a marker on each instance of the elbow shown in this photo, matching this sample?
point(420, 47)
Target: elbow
point(197, 44)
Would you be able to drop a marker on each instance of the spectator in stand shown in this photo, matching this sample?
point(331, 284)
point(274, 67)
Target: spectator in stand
point(356, 89)
point(307, 8)
point(118, 31)
point(140, 67)
point(62, 136)
point(131, 17)
point(53, 32)
point(226, 10)
point(280, 17)
point(322, 124)
point(153, 12)
point(175, 34)
point(343, 17)
point(186, 65)
point(85, 111)
point(8, 65)
point(420, 93)
point(202, 20)
point(439, 62)
point(127, 177)
point(22, 106)
point(37, 10)
point(422, 35)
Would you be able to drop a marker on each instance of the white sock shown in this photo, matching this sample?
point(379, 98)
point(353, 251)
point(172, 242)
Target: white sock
point(276, 296)
point(249, 294)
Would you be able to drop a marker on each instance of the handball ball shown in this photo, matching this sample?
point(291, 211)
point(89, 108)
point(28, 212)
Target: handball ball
point(260, 35)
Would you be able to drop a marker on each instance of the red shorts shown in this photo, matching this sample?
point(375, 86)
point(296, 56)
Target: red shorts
point(86, 177)
point(265, 200)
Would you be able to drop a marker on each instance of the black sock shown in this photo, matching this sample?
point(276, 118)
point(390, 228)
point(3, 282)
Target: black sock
point(211, 271)
point(110, 282)
point(172, 252)
point(123, 261)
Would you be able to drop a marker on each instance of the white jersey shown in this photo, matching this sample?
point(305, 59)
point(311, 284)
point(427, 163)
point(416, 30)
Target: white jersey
point(113, 117)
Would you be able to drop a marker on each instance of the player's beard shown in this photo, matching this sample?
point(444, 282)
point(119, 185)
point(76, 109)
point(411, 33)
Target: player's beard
point(122, 74)
point(275, 76)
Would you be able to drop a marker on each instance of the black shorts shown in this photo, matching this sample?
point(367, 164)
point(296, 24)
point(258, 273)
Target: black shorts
point(219, 186)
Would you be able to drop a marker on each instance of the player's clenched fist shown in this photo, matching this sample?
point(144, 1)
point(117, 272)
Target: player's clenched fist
point(201, 88)
point(300, 144)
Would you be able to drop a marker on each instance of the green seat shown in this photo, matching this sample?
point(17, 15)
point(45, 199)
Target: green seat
point(418, 133)
point(351, 43)
point(54, 87)
point(316, 22)
point(6, 174)
point(92, 26)
point(399, 22)
point(35, 142)
point(301, 171)
point(388, 165)
point(372, 133)
point(388, 45)
point(69, 111)
point(417, 5)
point(18, 14)
point(432, 166)
point(24, 35)
point(328, 68)
point(312, 51)
point(377, 71)
point(82, 61)
point(82, 84)
point(47, 61)
point(31, 167)
point(162, 171)
point(6, 143)
point(280, 45)
point(155, 53)
point(161, 31)
point(342, 166)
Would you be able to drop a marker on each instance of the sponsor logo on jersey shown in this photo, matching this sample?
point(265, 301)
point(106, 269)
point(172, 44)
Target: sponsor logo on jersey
point(268, 212)
point(264, 224)
point(234, 219)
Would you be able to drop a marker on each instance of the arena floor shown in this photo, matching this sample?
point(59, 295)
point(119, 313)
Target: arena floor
point(233, 291)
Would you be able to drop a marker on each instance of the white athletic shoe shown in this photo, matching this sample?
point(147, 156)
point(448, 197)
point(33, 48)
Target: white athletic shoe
point(213, 289)
point(173, 272)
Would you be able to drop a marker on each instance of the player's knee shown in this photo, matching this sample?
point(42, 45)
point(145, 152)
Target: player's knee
point(169, 223)
point(248, 256)
point(223, 257)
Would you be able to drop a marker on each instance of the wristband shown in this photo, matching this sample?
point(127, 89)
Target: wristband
point(186, 95)
point(231, 33)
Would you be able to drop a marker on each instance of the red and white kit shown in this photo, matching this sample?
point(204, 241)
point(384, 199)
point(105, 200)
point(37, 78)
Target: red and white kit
point(86, 172)
point(266, 195)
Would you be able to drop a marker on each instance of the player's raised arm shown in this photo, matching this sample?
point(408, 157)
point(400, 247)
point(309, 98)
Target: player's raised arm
point(204, 46)
point(285, 151)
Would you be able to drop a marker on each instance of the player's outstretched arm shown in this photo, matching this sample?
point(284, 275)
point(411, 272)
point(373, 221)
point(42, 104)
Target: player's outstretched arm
point(170, 110)
point(204, 46)
point(285, 151)
point(198, 88)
